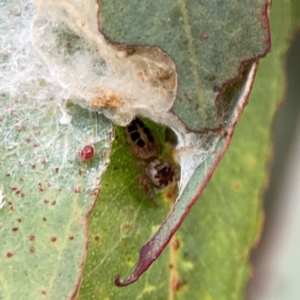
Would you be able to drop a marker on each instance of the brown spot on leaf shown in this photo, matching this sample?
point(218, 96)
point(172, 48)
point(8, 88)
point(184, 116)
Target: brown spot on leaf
point(44, 219)
point(22, 195)
point(237, 185)
point(46, 201)
point(205, 36)
point(31, 238)
point(41, 188)
point(177, 283)
point(20, 128)
point(32, 249)
point(127, 225)
point(15, 229)
point(53, 239)
point(9, 254)
point(175, 243)
point(129, 258)
point(71, 237)
point(77, 190)
point(53, 202)
point(186, 96)
point(43, 292)
point(19, 220)
point(97, 238)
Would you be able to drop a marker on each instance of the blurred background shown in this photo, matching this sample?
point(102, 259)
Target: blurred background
point(276, 260)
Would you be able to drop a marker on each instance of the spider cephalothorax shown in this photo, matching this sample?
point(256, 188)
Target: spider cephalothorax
point(160, 173)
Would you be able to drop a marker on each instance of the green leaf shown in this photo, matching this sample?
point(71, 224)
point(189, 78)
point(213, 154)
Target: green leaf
point(208, 41)
point(215, 94)
point(118, 226)
point(47, 198)
point(48, 193)
point(209, 256)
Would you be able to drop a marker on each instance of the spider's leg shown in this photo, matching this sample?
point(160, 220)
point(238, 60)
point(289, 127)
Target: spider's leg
point(143, 182)
point(139, 180)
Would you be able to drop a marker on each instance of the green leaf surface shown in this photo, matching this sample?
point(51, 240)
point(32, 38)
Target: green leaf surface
point(208, 257)
point(118, 226)
point(214, 82)
point(48, 191)
point(47, 195)
point(208, 41)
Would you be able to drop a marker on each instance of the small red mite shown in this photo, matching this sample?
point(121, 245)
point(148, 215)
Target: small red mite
point(87, 153)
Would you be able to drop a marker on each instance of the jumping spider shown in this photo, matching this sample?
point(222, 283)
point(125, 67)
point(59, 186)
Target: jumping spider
point(158, 172)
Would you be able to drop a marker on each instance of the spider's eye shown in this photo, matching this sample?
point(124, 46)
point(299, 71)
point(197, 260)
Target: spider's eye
point(132, 127)
point(147, 131)
point(141, 143)
point(87, 153)
point(148, 134)
point(135, 136)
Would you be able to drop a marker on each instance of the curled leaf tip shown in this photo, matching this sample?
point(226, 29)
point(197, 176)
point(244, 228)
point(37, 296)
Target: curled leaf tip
point(147, 257)
point(117, 281)
point(148, 254)
point(131, 279)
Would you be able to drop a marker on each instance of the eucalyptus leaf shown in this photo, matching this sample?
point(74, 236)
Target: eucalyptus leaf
point(48, 194)
point(208, 258)
point(198, 60)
